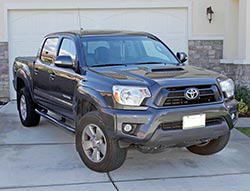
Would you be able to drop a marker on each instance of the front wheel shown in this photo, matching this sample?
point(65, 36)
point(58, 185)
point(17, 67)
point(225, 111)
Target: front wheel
point(210, 147)
point(26, 109)
point(99, 152)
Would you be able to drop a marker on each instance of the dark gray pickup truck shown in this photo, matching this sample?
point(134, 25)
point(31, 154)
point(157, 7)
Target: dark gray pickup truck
point(120, 89)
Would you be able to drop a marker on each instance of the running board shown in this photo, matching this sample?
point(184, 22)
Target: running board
point(55, 121)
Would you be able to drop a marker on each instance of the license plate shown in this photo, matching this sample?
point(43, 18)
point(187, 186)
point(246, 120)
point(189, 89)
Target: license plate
point(194, 121)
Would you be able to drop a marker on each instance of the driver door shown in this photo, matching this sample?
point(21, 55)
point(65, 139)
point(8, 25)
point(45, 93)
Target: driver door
point(64, 80)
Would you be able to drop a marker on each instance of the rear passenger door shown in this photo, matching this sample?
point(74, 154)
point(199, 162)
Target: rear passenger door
point(42, 69)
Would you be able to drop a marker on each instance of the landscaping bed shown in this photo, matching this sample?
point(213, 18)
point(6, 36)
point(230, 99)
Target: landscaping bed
point(245, 131)
point(242, 94)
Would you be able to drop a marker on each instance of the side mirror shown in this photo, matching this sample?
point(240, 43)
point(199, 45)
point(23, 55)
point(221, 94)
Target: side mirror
point(64, 62)
point(182, 56)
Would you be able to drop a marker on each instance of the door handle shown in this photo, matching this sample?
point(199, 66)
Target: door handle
point(36, 71)
point(52, 76)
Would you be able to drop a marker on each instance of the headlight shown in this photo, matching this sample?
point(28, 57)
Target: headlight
point(227, 86)
point(130, 95)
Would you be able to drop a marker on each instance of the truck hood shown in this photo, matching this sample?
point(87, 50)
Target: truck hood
point(151, 74)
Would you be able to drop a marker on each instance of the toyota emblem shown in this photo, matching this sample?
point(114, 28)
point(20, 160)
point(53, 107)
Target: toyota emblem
point(192, 93)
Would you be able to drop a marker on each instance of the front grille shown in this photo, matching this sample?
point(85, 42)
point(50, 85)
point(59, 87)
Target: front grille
point(178, 125)
point(175, 96)
point(171, 125)
point(214, 121)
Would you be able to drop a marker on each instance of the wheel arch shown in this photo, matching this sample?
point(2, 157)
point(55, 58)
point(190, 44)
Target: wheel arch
point(22, 80)
point(88, 100)
point(85, 100)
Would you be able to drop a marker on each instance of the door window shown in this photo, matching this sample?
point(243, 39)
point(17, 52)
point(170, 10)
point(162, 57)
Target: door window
point(48, 52)
point(68, 48)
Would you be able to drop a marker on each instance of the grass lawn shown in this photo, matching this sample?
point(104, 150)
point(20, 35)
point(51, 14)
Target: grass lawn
point(245, 131)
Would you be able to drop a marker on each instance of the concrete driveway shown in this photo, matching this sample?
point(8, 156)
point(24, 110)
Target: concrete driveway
point(44, 158)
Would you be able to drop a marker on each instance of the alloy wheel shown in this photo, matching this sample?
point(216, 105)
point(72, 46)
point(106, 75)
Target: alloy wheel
point(23, 107)
point(94, 143)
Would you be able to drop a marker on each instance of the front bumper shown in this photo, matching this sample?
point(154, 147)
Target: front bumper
point(148, 124)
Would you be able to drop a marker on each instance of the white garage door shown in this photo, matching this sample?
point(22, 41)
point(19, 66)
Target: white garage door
point(27, 28)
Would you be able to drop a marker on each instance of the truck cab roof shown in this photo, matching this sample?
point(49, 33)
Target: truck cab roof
point(102, 33)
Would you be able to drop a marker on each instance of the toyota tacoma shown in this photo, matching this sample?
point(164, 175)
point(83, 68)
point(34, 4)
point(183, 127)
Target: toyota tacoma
point(122, 89)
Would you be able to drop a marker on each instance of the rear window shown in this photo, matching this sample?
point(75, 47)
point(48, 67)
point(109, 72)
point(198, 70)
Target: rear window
point(48, 52)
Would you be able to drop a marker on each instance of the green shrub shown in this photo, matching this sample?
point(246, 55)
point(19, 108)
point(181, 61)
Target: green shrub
point(243, 108)
point(242, 94)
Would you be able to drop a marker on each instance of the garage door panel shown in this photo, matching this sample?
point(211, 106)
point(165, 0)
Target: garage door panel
point(19, 48)
point(176, 43)
point(106, 20)
point(41, 22)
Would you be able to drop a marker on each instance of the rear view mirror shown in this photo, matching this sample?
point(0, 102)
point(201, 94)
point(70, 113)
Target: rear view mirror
point(182, 56)
point(64, 62)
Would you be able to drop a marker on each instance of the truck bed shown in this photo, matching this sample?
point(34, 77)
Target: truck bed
point(26, 60)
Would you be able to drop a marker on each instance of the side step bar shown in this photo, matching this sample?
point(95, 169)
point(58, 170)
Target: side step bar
point(55, 121)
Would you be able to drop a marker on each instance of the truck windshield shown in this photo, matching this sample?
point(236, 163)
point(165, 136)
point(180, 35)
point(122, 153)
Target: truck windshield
point(125, 50)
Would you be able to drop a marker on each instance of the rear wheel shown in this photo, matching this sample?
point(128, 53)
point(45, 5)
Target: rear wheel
point(26, 109)
point(210, 147)
point(96, 149)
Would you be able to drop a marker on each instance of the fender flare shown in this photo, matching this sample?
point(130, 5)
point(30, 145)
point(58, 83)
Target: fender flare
point(86, 94)
point(90, 95)
point(22, 74)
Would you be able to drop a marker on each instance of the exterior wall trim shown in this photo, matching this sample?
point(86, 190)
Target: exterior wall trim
point(113, 5)
point(206, 38)
point(229, 61)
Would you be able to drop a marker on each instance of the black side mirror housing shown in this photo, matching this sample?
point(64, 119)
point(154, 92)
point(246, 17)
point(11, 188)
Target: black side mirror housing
point(182, 56)
point(64, 61)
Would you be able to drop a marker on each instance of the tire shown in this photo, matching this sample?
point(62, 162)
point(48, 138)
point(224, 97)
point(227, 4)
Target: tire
point(211, 147)
point(26, 108)
point(91, 138)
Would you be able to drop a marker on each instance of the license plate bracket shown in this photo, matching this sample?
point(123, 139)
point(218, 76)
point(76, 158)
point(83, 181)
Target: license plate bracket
point(193, 121)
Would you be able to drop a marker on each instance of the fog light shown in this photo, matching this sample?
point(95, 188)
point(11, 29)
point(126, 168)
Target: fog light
point(127, 128)
point(233, 116)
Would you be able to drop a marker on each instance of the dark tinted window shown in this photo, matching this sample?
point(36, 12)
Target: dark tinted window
point(68, 48)
point(48, 53)
point(126, 50)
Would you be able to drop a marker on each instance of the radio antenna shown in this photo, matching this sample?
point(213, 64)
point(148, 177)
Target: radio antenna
point(79, 14)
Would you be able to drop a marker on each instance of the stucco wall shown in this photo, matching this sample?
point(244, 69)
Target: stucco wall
point(231, 26)
point(2, 36)
point(201, 27)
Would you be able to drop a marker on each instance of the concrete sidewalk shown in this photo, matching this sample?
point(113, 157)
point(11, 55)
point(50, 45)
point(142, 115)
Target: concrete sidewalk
point(243, 123)
point(44, 158)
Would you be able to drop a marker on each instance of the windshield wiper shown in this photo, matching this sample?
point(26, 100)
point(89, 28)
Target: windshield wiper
point(102, 65)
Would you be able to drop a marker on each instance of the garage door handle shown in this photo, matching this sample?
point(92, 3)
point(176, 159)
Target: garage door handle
point(36, 71)
point(52, 76)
